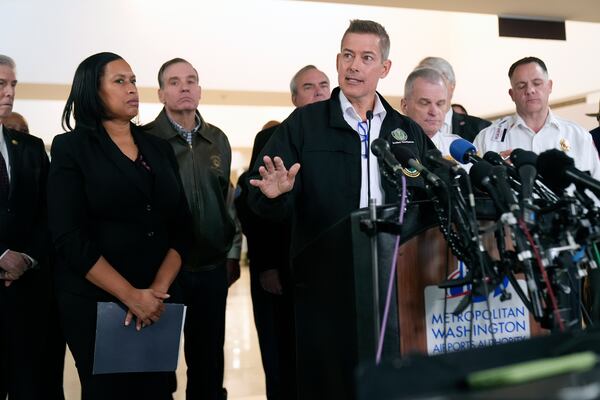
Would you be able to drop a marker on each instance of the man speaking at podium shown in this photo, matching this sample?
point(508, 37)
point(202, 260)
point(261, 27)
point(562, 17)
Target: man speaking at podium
point(318, 168)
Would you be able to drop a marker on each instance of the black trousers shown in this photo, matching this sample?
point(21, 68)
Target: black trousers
point(78, 316)
point(274, 320)
point(205, 294)
point(32, 349)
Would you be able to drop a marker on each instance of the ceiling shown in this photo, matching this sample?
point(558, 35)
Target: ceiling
point(574, 10)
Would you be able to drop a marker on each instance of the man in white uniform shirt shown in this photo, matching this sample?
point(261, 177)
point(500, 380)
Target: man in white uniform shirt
point(426, 102)
point(534, 127)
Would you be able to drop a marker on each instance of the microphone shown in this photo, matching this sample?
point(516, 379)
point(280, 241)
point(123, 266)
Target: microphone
point(501, 180)
point(481, 174)
point(406, 157)
point(496, 159)
point(381, 149)
point(525, 162)
point(434, 157)
point(464, 152)
point(558, 171)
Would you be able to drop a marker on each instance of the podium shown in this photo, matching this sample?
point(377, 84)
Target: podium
point(334, 306)
point(334, 302)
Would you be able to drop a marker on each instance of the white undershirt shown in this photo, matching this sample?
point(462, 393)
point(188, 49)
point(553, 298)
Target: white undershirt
point(353, 119)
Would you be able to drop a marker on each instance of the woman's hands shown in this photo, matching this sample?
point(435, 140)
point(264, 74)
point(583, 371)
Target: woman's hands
point(146, 305)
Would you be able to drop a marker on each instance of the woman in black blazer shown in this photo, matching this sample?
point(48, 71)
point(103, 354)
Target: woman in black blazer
point(118, 217)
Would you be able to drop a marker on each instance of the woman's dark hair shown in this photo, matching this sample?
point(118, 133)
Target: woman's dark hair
point(84, 101)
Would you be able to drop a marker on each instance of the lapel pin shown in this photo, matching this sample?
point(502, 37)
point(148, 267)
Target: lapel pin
point(15, 142)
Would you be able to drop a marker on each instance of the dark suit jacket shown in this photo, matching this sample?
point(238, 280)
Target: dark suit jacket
point(23, 225)
point(268, 241)
point(27, 319)
point(98, 205)
point(468, 126)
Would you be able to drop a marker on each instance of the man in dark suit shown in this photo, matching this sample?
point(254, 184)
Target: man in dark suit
point(268, 244)
point(596, 131)
point(26, 309)
point(463, 125)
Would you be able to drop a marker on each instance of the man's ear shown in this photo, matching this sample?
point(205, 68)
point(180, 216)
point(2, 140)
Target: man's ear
point(387, 64)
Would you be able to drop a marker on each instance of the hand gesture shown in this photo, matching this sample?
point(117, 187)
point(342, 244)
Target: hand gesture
point(276, 179)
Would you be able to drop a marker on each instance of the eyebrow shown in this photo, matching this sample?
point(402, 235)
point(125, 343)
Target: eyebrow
point(186, 77)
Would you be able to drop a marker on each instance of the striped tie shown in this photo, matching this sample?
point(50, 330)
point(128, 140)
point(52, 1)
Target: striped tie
point(4, 182)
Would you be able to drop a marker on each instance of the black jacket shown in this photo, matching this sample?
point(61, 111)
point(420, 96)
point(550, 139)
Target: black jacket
point(268, 241)
point(327, 187)
point(23, 226)
point(204, 169)
point(100, 204)
point(468, 126)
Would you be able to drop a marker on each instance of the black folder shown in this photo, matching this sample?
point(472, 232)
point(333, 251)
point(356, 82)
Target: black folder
point(121, 348)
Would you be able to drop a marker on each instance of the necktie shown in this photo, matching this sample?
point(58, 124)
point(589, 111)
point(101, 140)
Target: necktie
point(4, 182)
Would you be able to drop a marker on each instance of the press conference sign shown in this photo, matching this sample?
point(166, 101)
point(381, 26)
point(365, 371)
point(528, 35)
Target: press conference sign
point(478, 325)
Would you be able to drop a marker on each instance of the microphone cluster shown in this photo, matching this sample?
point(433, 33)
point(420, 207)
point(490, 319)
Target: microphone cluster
point(540, 211)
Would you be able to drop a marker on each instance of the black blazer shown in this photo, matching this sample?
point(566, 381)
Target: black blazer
point(23, 225)
point(468, 126)
point(98, 205)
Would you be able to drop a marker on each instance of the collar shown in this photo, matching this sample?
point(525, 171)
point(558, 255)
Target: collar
point(448, 119)
point(180, 129)
point(348, 108)
point(550, 120)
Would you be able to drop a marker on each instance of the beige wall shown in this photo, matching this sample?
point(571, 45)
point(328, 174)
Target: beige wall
point(246, 51)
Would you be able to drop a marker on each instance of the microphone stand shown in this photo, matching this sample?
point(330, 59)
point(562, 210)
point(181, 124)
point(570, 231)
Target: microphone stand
point(373, 218)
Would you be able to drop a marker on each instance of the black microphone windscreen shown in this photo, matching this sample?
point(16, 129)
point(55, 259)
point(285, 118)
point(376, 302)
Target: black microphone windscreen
point(551, 165)
point(520, 157)
point(378, 146)
point(493, 158)
point(479, 172)
point(369, 115)
point(403, 155)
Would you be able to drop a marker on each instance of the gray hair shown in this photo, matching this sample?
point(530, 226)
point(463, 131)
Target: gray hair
point(6, 60)
point(441, 65)
point(293, 83)
point(430, 75)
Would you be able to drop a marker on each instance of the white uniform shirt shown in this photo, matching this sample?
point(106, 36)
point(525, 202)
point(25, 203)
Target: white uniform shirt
point(511, 133)
point(360, 126)
point(444, 138)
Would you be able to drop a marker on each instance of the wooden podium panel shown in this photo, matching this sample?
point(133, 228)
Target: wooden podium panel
point(426, 260)
point(422, 261)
